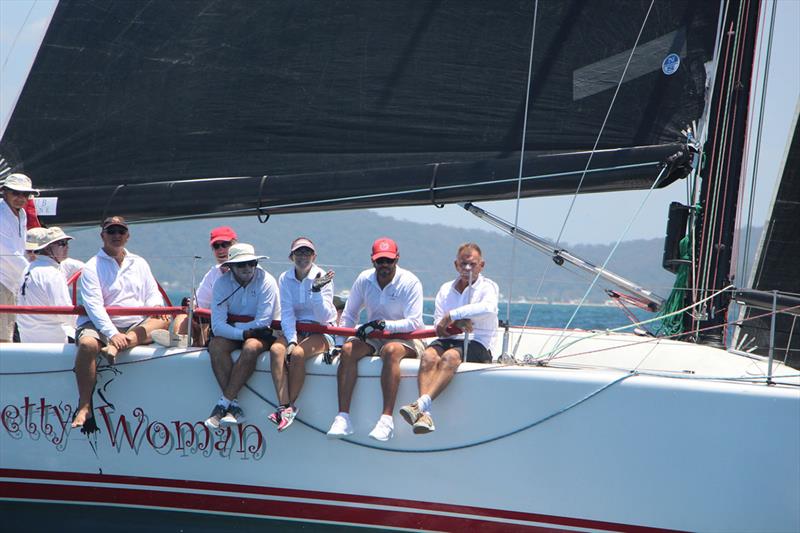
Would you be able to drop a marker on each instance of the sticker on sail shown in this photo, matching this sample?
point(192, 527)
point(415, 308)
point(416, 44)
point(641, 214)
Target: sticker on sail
point(670, 64)
point(45, 205)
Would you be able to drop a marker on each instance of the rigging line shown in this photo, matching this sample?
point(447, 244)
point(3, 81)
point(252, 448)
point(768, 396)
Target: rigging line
point(19, 32)
point(611, 253)
point(521, 161)
point(481, 442)
point(759, 133)
point(602, 127)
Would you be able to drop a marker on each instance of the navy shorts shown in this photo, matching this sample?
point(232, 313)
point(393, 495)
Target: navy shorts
point(476, 352)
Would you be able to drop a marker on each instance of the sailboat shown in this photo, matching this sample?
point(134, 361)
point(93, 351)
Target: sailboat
point(163, 111)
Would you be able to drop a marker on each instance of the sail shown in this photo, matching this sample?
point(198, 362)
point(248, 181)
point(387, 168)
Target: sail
point(189, 108)
point(777, 268)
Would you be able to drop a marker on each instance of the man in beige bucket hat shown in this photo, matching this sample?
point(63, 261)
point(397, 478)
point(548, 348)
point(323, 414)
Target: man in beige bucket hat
point(43, 283)
point(16, 190)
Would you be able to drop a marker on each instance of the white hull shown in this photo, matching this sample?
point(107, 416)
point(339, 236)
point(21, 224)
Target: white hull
point(646, 451)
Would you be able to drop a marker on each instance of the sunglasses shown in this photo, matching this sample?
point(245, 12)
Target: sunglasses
point(18, 193)
point(221, 244)
point(61, 243)
point(244, 264)
point(116, 231)
point(384, 261)
point(303, 251)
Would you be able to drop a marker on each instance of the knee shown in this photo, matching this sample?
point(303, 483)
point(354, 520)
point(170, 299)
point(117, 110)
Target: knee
point(429, 359)
point(88, 347)
point(252, 347)
point(451, 358)
point(393, 352)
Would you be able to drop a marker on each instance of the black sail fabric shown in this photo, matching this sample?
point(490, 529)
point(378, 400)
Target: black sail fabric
point(778, 267)
point(180, 108)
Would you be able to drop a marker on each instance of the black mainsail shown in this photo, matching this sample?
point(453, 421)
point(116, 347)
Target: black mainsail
point(191, 108)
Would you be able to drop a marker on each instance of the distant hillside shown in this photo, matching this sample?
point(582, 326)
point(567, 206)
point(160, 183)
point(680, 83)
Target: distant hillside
point(343, 242)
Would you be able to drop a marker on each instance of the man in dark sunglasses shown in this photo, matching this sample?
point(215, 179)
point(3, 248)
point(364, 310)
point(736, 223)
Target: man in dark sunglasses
point(392, 297)
point(221, 240)
point(113, 277)
point(16, 190)
point(244, 304)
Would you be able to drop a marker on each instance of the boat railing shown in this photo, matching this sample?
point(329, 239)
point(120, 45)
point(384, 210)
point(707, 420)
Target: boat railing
point(206, 313)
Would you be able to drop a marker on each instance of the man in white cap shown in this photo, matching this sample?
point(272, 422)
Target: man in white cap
point(113, 277)
point(44, 284)
point(244, 304)
point(392, 297)
point(16, 190)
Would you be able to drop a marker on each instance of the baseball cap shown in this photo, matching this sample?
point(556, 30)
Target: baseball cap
point(115, 221)
point(384, 247)
point(302, 242)
point(222, 233)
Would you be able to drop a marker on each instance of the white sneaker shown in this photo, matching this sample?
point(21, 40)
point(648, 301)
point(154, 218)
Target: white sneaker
point(341, 427)
point(382, 431)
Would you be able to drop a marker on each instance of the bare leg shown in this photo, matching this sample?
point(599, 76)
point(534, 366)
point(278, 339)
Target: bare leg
point(277, 366)
point(141, 335)
point(219, 349)
point(445, 370)
point(85, 375)
point(244, 367)
point(392, 354)
point(309, 347)
point(428, 366)
point(347, 374)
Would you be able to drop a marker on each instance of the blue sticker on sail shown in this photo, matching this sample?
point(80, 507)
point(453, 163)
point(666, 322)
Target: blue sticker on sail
point(670, 64)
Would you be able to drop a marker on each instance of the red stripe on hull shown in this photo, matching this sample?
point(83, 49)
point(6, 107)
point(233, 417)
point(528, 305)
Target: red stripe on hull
point(308, 511)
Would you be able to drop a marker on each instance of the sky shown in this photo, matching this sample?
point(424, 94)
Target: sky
point(596, 218)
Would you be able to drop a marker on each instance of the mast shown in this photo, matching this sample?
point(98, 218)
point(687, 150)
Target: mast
point(721, 172)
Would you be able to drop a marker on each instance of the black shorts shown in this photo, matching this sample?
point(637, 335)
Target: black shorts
point(476, 352)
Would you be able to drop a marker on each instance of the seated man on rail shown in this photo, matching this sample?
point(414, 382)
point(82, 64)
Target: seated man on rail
point(113, 277)
point(44, 284)
point(246, 290)
point(222, 238)
point(393, 299)
point(469, 302)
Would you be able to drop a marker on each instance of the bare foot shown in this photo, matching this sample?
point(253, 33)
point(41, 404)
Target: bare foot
point(110, 353)
point(81, 415)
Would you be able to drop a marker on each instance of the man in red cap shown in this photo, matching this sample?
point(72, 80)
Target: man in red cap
point(392, 297)
point(221, 239)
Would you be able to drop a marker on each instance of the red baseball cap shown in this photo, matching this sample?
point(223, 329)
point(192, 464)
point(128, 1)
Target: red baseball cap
point(384, 247)
point(222, 233)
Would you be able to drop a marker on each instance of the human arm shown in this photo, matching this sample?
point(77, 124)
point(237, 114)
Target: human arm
point(205, 291)
point(92, 297)
point(12, 259)
point(324, 310)
point(223, 290)
point(288, 317)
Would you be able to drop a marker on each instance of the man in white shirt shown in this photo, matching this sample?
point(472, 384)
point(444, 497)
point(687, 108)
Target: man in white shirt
point(392, 297)
point(222, 238)
point(16, 190)
point(470, 303)
point(113, 277)
point(44, 284)
point(246, 290)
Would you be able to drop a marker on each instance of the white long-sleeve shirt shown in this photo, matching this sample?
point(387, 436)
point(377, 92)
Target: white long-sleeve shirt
point(399, 304)
point(300, 304)
point(12, 246)
point(70, 266)
point(44, 284)
point(478, 302)
point(258, 299)
point(205, 291)
point(105, 283)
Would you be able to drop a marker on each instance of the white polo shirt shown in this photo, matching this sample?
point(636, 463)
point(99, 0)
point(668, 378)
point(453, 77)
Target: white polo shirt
point(44, 284)
point(478, 302)
point(205, 291)
point(12, 246)
point(258, 299)
point(300, 304)
point(105, 283)
point(399, 303)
